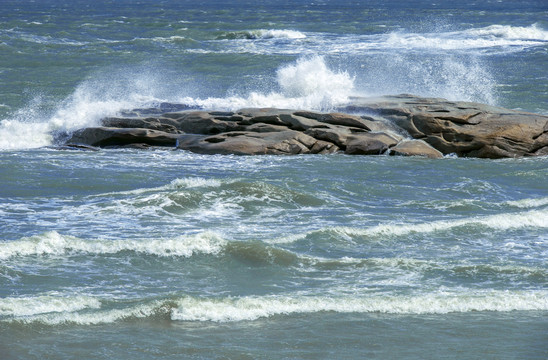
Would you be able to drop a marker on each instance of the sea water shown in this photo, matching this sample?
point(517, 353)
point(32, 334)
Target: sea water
point(132, 254)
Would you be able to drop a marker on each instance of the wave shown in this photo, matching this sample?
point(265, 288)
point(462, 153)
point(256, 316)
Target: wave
point(89, 311)
point(494, 36)
point(507, 221)
point(203, 198)
point(533, 32)
point(159, 39)
point(490, 39)
point(41, 39)
point(262, 34)
point(258, 254)
point(306, 84)
point(528, 203)
point(29, 306)
point(54, 244)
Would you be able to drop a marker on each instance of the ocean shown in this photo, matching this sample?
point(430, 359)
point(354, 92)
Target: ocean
point(166, 254)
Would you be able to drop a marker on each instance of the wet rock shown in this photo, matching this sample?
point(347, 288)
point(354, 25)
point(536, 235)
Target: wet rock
point(365, 126)
point(108, 136)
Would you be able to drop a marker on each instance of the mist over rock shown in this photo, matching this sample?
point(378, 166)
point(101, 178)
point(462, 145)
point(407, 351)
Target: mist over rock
point(397, 125)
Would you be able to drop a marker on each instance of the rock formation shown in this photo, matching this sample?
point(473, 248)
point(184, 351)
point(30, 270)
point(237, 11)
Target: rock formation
point(395, 125)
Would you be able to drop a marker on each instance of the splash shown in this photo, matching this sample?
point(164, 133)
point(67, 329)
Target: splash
point(104, 95)
point(308, 83)
point(453, 77)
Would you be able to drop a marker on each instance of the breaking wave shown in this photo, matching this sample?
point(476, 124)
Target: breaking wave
point(54, 244)
point(529, 219)
point(262, 34)
point(494, 36)
point(306, 84)
point(88, 311)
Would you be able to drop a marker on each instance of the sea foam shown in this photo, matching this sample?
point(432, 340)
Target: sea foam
point(54, 244)
point(253, 308)
point(88, 311)
point(42, 304)
point(506, 221)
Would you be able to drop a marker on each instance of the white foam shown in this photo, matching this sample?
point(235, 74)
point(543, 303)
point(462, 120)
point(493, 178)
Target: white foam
point(194, 182)
point(88, 311)
point(34, 305)
point(483, 38)
point(53, 243)
point(533, 32)
point(494, 38)
point(306, 84)
point(252, 308)
point(90, 317)
point(507, 221)
point(529, 203)
point(279, 34)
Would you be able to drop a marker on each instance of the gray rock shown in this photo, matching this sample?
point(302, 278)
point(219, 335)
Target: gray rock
point(108, 136)
point(371, 126)
point(249, 143)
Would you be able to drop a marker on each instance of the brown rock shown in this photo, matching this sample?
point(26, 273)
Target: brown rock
point(108, 136)
point(463, 128)
point(369, 144)
point(415, 148)
point(249, 143)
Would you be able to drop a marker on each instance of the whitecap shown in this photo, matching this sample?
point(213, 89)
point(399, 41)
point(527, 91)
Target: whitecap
point(506, 221)
point(253, 308)
point(250, 308)
point(42, 304)
point(528, 203)
point(54, 244)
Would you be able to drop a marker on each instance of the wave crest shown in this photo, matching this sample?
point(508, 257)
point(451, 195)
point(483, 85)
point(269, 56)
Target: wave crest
point(262, 34)
point(80, 311)
point(54, 244)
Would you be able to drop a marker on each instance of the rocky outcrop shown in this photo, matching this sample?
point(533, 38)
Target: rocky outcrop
point(462, 128)
point(396, 125)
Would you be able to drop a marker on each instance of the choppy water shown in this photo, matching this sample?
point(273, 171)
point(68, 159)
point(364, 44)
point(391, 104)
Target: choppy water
point(168, 254)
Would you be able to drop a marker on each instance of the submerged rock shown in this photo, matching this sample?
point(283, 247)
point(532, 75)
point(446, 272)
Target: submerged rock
point(367, 126)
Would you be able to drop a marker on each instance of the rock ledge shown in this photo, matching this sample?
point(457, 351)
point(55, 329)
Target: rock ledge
point(395, 125)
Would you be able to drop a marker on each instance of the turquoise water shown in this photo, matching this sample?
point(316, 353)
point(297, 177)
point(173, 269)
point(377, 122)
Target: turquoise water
point(133, 254)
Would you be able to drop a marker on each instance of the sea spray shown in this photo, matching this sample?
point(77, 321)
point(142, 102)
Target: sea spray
point(308, 83)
